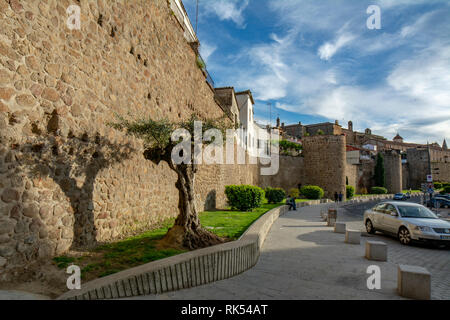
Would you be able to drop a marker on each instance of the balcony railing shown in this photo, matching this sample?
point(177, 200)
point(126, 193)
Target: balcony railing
point(202, 65)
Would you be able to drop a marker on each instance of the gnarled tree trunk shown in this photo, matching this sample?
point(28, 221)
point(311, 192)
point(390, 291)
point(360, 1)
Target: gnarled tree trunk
point(187, 231)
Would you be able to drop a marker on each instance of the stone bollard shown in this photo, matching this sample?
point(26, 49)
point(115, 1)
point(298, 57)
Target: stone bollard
point(331, 217)
point(353, 237)
point(340, 227)
point(376, 250)
point(414, 282)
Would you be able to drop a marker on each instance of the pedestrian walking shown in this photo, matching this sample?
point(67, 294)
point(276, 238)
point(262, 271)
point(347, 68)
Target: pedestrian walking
point(341, 196)
point(336, 197)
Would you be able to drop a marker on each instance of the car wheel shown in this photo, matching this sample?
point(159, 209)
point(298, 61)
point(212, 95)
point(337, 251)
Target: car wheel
point(369, 227)
point(404, 236)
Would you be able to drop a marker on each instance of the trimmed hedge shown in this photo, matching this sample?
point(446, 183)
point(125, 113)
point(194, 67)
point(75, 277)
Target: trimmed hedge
point(379, 190)
point(446, 190)
point(294, 192)
point(438, 185)
point(312, 192)
point(350, 192)
point(245, 197)
point(275, 195)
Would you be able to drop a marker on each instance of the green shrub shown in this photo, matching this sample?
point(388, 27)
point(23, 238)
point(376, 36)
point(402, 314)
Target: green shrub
point(294, 192)
point(438, 185)
point(312, 192)
point(275, 195)
point(244, 198)
point(446, 190)
point(288, 145)
point(350, 192)
point(379, 190)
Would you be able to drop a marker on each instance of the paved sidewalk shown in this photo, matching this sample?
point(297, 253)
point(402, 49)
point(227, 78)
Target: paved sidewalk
point(304, 259)
point(20, 295)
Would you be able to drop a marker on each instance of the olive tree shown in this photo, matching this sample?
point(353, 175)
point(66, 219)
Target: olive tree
point(159, 146)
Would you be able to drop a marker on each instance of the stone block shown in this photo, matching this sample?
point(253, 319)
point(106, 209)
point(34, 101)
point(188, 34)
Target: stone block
point(331, 221)
point(414, 282)
point(353, 236)
point(376, 250)
point(340, 227)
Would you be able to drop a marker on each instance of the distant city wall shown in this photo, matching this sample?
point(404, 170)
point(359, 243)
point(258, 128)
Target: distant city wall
point(393, 171)
point(325, 163)
point(290, 175)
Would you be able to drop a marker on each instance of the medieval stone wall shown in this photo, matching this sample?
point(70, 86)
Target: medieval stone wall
point(418, 167)
point(441, 171)
point(352, 175)
point(405, 176)
point(393, 171)
point(65, 176)
point(290, 175)
point(325, 163)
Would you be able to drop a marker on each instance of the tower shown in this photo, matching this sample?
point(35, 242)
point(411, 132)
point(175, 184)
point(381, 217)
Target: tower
point(350, 126)
point(444, 145)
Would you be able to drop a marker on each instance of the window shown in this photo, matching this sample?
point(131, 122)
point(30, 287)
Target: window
point(380, 207)
point(390, 209)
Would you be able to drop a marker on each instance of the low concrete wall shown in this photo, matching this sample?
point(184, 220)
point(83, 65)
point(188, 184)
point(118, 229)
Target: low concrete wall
point(186, 270)
point(376, 197)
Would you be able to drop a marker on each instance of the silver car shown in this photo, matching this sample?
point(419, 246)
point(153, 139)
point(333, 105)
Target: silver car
point(407, 221)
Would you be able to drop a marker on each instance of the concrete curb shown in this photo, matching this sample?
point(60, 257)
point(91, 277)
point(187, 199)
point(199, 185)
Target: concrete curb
point(374, 198)
point(186, 270)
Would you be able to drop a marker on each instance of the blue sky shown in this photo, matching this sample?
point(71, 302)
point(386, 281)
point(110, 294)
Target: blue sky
point(316, 60)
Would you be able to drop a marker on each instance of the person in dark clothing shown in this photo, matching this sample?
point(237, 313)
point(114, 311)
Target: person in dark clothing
point(341, 196)
point(290, 201)
point(336, 197)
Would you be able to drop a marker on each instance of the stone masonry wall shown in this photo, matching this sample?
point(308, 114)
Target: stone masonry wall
point(418, 167)
point(352, 173)
point(290, 174)
point(325, 163)
point(393, 172)
point(441, 171)
point(65, 176)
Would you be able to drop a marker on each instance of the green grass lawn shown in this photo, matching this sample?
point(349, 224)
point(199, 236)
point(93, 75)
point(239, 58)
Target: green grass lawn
point(134, 251)
point(232, 224)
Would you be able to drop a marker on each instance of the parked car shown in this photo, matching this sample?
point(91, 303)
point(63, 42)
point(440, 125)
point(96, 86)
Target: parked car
point(400, 197)
point(446, 196)
point(443, 202)
point(408, 222)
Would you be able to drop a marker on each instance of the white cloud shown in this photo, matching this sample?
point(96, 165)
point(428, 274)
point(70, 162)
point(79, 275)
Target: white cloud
point(329, 49)
point(228, 10)
point(412, 97)
point(425, 77)
point(207, 50)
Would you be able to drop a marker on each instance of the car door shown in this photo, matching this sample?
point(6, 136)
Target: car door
point(390, 222)
point(377, 216)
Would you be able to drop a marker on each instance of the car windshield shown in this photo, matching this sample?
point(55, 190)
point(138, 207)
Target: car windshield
point(416, 212)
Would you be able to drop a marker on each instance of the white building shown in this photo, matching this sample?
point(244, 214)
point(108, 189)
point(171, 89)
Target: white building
point(246, 118)
point(255, 138)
